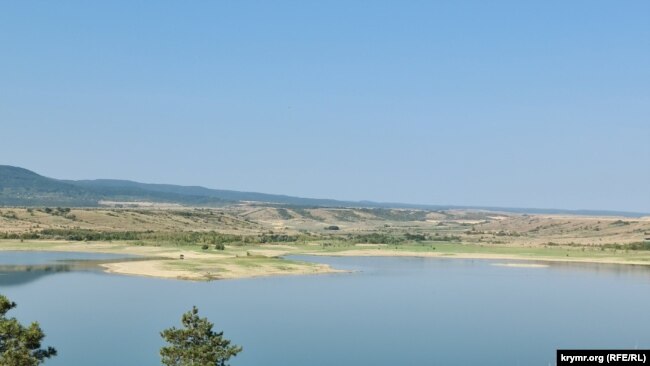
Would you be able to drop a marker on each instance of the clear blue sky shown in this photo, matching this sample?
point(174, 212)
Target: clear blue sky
point(507, 103)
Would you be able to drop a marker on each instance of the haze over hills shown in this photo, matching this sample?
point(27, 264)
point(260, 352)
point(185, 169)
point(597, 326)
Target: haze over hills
point(22, 187)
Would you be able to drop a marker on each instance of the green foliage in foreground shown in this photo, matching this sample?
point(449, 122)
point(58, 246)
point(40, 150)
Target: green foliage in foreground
point(196, 344)
point(20, 345)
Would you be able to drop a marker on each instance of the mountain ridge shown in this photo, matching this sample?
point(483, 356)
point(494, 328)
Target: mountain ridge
point(23, 187)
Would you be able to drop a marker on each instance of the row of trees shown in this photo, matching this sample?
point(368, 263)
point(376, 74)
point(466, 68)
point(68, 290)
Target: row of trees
point(173, 237)
point(194, 344)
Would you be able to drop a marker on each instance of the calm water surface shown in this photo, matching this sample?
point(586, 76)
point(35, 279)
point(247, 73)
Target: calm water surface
point(394, 311)
point(23, 257)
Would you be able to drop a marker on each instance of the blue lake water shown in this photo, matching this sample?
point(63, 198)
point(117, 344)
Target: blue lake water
point(23, 257)
point(393, 311)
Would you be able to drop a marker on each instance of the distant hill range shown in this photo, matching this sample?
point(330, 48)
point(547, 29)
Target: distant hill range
point(22, 187)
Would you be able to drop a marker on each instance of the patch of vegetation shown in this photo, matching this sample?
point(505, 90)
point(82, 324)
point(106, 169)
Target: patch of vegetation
point(9, 215)
point(306, 214)
point(416, 237)
point(619, 223)
point(277, 238)
point(175, 237)
point(346, 215)
point(439, 237)
point(22, 236)
point(642, 245)
point(396, 215)
point(375, 238)
point(284, 214)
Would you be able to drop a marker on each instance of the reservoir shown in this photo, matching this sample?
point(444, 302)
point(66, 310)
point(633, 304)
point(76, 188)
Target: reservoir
point(386, 311)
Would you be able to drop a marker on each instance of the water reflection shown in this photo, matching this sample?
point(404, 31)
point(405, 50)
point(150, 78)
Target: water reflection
point(618, 269)
point(16, 275)
point(19, 268)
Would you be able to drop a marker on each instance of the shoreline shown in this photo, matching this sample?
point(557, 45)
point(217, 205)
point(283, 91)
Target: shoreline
point(196, 265)
point(479, 256)
point(264, 261)
point(136, 268)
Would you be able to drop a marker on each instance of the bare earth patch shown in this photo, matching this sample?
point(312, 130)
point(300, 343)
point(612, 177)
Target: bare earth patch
point(152, 268)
